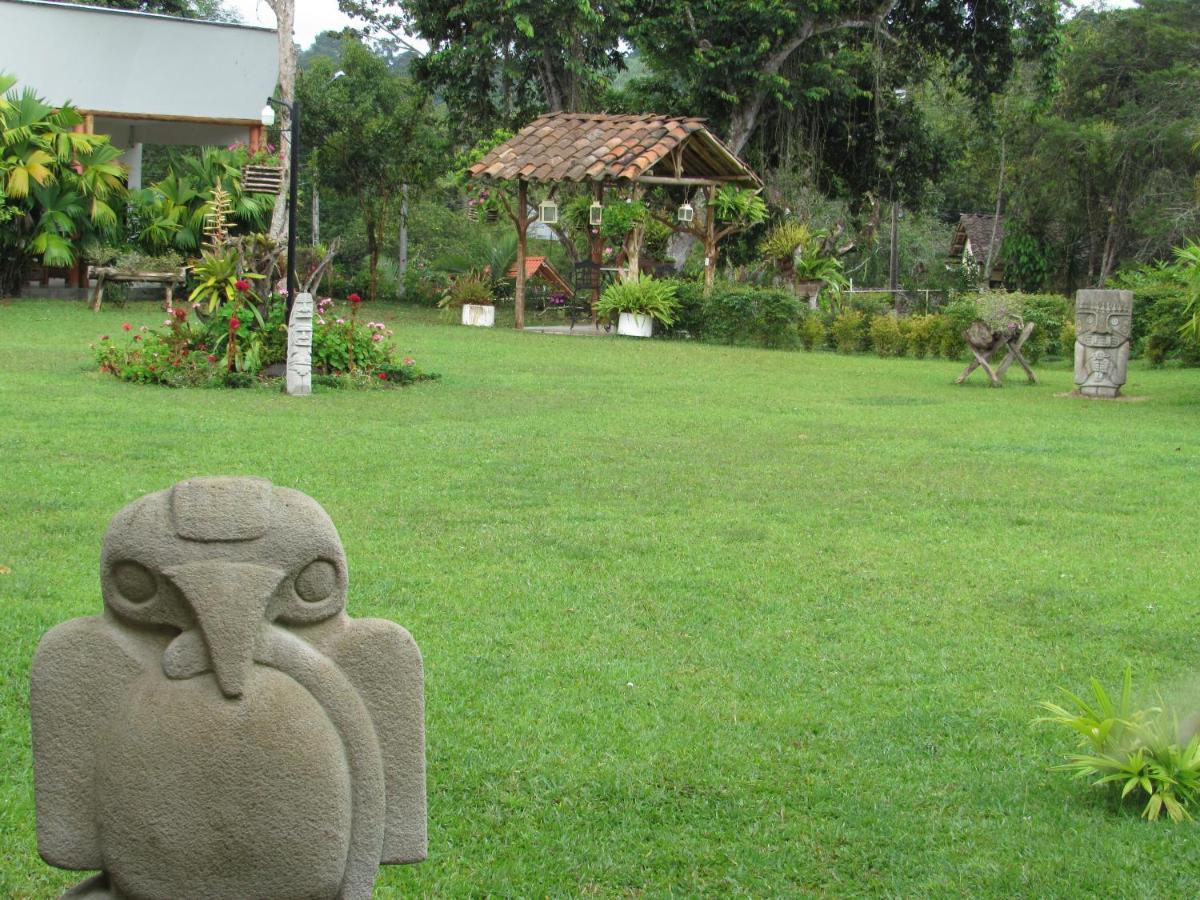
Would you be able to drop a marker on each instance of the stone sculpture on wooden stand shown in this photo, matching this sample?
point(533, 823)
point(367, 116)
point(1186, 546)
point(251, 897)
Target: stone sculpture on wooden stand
point(298, 376)
point(983, 341)
point(1103, 321)
point(224, 729)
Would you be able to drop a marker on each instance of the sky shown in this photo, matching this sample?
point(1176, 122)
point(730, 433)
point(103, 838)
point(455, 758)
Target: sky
point(312, 17)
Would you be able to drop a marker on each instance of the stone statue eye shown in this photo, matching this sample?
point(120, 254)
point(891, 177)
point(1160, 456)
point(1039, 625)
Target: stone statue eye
point(134, 582)
point(316, 581)
point(1114, 321)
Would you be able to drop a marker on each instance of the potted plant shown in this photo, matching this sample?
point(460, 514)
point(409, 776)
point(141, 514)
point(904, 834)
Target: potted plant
point(474, 294)
point(638, 301)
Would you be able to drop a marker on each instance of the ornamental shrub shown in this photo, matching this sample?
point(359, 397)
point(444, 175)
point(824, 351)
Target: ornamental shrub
point(812, 333)
point(849, 331)
point(689, 314)
point(885, 336)
point(747, 314)
point(919, 335)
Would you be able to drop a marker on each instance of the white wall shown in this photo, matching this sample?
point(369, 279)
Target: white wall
point(113, 61)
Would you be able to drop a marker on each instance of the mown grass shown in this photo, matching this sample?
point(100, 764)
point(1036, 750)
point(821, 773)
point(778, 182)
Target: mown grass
point(696, 620)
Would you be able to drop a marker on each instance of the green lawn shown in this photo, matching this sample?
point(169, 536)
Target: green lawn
point(696, 620)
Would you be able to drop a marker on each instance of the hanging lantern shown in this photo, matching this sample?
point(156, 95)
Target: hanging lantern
point(595, 213)
point(548, 212)
point(686, 213)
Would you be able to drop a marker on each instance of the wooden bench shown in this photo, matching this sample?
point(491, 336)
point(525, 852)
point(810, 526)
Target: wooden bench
point(107, 273)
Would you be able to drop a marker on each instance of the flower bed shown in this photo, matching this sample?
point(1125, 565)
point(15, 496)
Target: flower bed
point(242, 344)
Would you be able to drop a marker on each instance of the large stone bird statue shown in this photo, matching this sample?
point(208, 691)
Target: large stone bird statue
point(224, 729)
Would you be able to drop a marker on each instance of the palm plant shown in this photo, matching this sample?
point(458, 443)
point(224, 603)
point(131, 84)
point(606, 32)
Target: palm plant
point(56, 185)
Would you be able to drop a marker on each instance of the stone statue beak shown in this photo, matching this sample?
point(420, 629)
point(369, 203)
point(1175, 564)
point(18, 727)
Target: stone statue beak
point(229, 601)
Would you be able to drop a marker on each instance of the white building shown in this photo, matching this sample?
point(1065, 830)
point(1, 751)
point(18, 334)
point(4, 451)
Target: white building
point(142, 78)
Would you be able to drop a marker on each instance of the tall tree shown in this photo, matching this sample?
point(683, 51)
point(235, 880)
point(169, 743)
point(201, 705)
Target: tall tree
point(1105, 173)
point(498, 65)
point(734, 62)
point(374, 131)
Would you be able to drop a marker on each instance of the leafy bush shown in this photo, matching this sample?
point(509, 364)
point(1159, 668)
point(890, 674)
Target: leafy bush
point(1136, 753)
point(1048, 313)
point(473, 288)
point(849, 331)
point(812, 332)
point(744, 313)
point(689, 317)
point(869, 303)
point(641, 295)
point(920, 335)
point(885, 336)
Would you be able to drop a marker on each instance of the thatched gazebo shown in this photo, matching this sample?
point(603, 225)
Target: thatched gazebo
point(609, 150)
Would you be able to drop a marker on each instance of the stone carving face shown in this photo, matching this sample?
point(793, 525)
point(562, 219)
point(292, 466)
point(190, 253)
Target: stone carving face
point(225, 703)
point(1103, 322)
point(299, 359)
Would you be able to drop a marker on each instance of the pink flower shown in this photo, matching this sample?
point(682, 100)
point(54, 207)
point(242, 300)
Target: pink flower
point(376, 338)
point(235, 323)
point(211, 358)
point(340, 322)
point(408, 361)
point(125, 326)
point(355, 299)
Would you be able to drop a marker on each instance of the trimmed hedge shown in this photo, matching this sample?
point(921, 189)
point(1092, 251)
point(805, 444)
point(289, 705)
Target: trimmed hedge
point(769, 317)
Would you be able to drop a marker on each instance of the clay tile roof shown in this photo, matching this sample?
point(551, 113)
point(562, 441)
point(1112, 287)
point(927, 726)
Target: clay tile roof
point(601, 147)
point(977, 228)
point(540, 267)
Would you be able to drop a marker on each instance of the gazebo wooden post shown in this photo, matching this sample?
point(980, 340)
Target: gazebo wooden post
point(596, 245)
point(710, 239)
point(522, 225)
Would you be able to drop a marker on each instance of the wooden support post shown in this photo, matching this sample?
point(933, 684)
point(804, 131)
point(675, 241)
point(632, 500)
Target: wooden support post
point(522, 225)
point(710, 239)
point(597, 247)
point(256, 138)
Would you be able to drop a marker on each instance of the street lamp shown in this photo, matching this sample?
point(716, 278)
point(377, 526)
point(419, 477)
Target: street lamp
point(268, 119)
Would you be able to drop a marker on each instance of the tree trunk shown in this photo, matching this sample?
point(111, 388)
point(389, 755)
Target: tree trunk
point(987, 266)
point(316, 212)
point(633, 240)
point(285, 16)
point(402, 262)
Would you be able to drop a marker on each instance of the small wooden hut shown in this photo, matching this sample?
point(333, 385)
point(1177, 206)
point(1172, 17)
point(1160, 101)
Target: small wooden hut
point(973, 236)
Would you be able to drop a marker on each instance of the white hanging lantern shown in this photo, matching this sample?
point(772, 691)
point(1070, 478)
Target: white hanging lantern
point(686, 213)
point(595, 213)
point(548, 212)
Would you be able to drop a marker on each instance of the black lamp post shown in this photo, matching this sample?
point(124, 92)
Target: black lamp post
point(268, 119)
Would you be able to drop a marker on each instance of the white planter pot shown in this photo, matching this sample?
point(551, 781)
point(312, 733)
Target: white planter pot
point(635, 325)
point(478, 314)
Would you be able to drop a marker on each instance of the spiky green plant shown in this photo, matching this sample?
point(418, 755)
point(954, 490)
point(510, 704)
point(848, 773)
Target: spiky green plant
point(641, 295)
point(1138, 751)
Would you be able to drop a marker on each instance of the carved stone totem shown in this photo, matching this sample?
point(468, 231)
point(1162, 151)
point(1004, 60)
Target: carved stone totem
point(299, 357)
point(224, 729)
point(1103, 320)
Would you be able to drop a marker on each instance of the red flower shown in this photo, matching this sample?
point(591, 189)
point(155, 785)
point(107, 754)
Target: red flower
point(242, 285)
point(125, 326)
point(383, 376)
point(180, 313)
point(235, 323)
point(211, 358)
point(355, 299)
